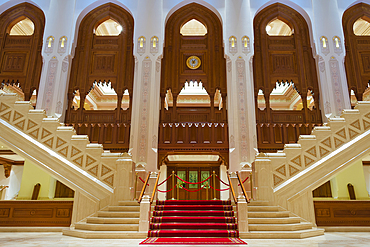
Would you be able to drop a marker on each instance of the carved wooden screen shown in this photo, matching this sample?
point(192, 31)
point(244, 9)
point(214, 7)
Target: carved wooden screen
point(357, 59)
point(103, 59)
point(20, 55)
point(198, 128)
point(283, 59)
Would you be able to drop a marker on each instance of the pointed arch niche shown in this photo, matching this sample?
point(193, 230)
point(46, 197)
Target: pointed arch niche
point(284, 68)
point(21, 39)
point(193, 97)
point(102, 77)
point(356, 24)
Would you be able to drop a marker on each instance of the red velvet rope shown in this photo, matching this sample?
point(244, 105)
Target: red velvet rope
point(192, 190)
point(219, 189)
point(164, 180)
point(222, 181)
point(243, 181)
point(193, 183)
point(143, 181)
point(165, 191)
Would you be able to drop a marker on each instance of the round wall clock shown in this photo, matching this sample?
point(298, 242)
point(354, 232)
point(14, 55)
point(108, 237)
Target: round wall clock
point(193, 62)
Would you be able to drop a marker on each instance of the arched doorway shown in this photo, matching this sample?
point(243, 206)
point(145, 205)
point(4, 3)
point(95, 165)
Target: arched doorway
point(193, 117)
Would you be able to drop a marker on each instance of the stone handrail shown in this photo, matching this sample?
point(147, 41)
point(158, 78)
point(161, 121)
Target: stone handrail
point(48, 143)
point(296, 171)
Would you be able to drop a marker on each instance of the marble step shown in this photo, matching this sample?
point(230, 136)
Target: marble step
point(128, 203)
point(285, 220)
point(107, 227)
point(281, 234)
point(264, 208)
point(110, 214)
point(105, 234)
point(268, 214)
point(102, 220)
point(258, 203)
point(124, 208)
point(280, 227)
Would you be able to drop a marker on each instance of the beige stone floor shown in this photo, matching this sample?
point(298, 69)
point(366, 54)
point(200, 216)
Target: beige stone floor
point(46, 239)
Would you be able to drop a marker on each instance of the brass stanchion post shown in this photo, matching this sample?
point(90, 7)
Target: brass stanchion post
point(206, 190)
point(135, 186)
point(173, 183)
point(178, 189)
point(214, 185)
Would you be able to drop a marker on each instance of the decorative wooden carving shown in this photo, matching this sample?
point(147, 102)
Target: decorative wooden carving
point(185, 128)
point(35, 213)
point(103, 58)
point(287, 59)
point(342, 213)
point(357, 61)
point(20, 56)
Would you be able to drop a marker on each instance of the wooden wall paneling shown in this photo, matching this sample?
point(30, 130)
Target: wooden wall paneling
point(36, 213)
point(342, 213)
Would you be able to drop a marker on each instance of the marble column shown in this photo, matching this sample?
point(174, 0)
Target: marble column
point(334, 96)
point(146, 100)
point(56, 57)
point(240, 100)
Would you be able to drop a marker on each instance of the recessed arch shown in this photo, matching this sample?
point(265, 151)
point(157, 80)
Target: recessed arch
point(193, 28)
point(24, 27)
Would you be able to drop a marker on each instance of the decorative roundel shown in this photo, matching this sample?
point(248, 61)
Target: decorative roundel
point(193, 62)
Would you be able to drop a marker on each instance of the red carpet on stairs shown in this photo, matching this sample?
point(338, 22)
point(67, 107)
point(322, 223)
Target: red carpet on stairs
point(193, 222)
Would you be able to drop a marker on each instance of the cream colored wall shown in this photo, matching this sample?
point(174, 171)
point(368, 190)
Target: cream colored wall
point(354, 175)
point(33, 175)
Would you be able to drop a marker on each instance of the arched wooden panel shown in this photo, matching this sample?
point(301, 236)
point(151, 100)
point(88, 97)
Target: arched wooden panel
point(357, 60)
point(286, 59)
point(20, 56)
point(105, 59)
point(194, 127)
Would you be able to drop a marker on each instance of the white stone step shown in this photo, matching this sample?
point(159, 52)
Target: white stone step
point(258, 203)
point(268, 214)
point(105, 234)
point(280, 227)
point(124, 208)
point(107, 227)
point(110, 214)
point(128, 203)
point(281, 234)
point(102, 220)
point(285, 220)
point(263, 208)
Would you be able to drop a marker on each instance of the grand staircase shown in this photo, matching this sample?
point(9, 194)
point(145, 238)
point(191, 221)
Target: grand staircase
point(188, 218)
point(116, 222)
